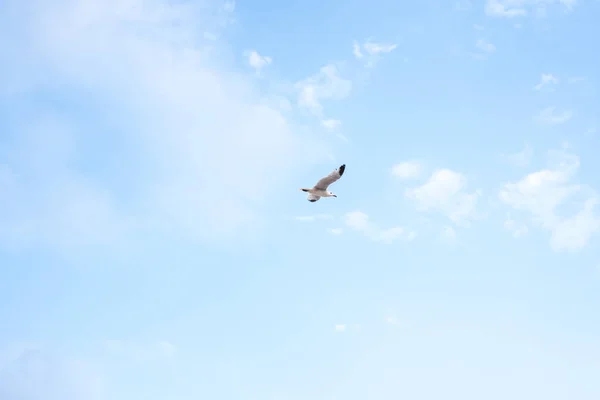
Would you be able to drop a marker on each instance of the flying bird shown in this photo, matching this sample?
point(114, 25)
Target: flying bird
point(320, 189)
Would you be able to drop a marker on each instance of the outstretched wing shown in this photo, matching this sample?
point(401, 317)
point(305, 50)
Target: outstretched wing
point(336, 174)
point(312, 197)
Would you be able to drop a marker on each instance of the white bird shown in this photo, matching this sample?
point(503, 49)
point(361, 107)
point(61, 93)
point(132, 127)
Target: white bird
point(320, 189)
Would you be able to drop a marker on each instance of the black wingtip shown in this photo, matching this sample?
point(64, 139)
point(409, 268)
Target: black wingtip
point(342, 169)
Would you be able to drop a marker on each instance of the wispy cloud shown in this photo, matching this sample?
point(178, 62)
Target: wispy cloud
point(356, 50)
point(485, 46)
point(360, 222)
point(548, 81)
point(484, 49)
point(378, 48)
point(407, 170)
point(313, 218)
point(327, 84)
point(541, 194)
point(505, 8)
point(256, 61)
point(446, 192)
point(520, 8)
point(331, 124)
point(194, 123)
point(229, 6)
point(336, 231)
point(393, 320)
point(551, 116)
point(371, 52)
point(575, 79)
point(568, 4)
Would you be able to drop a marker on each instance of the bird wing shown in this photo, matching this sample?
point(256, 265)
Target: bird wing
point(336, 174)
point(312, 197)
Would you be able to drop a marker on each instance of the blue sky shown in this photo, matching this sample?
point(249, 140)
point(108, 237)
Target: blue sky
point(154, 243)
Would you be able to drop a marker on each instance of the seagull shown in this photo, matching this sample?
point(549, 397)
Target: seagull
point(320, 189)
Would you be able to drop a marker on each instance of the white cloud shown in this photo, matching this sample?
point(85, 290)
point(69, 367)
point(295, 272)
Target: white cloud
point(547, 81)
point(313, 218)
point(576, 79)
point(359, 221)
point(336, 231)
point(569, 4)
point(183, 121)
point(379, 48)
point(340, 328)
point(407, 170)
point(542, 194)
point(397, 322)
point(505, 8)
point(324, 85)
point(445, 192)
point(229, 6)
point(519, 8)
point(485, 46)
point(371, 52)
point(331, 124)
point(257, 61)
point(551, 116)
point(356, 50)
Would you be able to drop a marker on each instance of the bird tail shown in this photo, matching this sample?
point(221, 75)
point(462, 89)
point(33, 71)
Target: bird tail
point(304, 190)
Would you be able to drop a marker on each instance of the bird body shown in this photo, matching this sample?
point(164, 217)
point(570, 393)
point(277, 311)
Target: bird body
point(320, 189)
